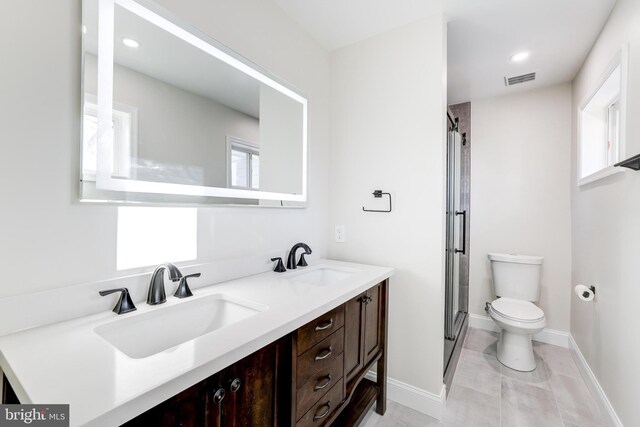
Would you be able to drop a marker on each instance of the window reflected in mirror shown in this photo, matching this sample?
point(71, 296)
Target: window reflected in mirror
point(243, 164)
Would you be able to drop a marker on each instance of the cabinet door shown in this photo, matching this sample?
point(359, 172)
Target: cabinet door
point(188, 408)
point(353, 343)
point(372, 330)
point(251, 389)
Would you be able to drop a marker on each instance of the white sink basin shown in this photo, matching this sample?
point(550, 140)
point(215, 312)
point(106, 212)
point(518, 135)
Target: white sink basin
point(323, 276)
point(145, 334)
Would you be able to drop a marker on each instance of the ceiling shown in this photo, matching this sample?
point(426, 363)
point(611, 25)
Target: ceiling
point(482, 35)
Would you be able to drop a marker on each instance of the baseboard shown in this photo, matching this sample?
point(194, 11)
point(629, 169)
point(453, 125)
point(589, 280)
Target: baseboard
point(548, 336)
point(592, 383)
point(413, 397)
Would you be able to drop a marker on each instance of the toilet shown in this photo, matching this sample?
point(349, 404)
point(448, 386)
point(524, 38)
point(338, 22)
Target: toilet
point(516, 283)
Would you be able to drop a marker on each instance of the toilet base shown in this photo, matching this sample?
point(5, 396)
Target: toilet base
point(515, 351)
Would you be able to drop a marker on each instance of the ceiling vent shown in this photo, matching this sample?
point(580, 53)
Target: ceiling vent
point(510, 81)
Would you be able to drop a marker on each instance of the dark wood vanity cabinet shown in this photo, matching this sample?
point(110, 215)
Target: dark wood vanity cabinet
point(313, 377)
point(188, 408)
point(363, 331)
point(258, 381)
point(317, 369)
point(331, 356)
point(244, 394)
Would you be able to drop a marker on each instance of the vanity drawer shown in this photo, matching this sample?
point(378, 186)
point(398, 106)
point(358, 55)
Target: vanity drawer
point(320, 328)
point(319, 357)
point(322, 410)
point(318, 385)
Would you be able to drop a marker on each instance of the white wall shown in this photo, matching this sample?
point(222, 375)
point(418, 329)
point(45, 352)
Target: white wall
point(47, 238)
point(606, 233)
point(388, 103)
point(520, 198)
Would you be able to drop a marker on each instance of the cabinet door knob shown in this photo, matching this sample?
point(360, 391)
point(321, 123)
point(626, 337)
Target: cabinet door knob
point(327, 353)
point(325, 413)
point(235, 385)
point(218, 396)
point(319, 386)
point(324, 325)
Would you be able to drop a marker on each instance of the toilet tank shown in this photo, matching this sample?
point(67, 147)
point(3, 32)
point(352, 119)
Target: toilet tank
point(516, 276)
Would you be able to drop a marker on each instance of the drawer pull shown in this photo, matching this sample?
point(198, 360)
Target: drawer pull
point(324, 325)
point(326, 383)
point(321, 416)
point(327, 353)
point(218, 397)
point(235, 385)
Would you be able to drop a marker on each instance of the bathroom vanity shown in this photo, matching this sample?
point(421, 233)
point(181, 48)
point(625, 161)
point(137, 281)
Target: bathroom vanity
point(311, 377)
point(301, 359)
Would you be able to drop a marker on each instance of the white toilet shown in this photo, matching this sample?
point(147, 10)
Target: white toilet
point(516, 283)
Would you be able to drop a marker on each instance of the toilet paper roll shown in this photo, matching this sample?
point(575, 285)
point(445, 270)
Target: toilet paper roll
point(584, 293)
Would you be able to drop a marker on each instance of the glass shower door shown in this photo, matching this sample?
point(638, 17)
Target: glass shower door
point(456, 219)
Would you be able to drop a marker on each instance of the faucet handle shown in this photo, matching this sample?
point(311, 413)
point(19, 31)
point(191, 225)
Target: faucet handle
point(303, 262)
point(124, 304)
point(279, 268)
point(183, 290)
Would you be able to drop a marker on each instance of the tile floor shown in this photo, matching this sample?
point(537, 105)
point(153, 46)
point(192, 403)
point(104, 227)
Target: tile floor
point(486, 393)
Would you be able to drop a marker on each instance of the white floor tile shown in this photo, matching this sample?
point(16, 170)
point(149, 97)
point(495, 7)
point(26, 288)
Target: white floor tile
point(486, 393)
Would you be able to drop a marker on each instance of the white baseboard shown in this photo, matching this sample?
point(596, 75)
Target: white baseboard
point(415, 398)
point(548, 336)
point(592, 383)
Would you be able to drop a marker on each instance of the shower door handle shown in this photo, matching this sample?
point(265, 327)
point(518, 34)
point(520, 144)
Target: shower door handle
point(463, 251)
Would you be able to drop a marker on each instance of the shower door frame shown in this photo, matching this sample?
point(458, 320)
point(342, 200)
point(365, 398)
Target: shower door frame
point(456, 302)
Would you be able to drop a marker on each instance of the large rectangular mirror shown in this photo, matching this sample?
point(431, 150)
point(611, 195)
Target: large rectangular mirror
point(171, 115)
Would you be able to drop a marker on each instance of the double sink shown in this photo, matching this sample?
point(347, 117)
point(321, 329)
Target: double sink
point(140, 335)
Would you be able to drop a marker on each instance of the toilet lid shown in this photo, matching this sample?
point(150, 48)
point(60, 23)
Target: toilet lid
point(521, 311)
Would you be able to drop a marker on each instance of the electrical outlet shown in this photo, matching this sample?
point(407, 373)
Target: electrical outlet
point(341, 237)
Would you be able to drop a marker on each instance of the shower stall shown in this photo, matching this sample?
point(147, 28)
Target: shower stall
point(457, 238)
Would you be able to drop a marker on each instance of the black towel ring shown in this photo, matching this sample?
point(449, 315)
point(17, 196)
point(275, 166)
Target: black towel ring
point(378, 194)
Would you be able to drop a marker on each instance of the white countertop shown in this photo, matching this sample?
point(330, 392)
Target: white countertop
point(68, 362)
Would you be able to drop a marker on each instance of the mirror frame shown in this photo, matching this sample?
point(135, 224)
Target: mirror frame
point(164, 19)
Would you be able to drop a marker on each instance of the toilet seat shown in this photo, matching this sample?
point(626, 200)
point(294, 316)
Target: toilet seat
point(517, 310)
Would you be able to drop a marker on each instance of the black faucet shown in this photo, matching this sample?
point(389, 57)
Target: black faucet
point(291, 260)
point(156, 293)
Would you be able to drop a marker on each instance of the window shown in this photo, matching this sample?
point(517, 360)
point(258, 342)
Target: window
point(124, 135)
point(150, 235)
point(601, 124)
point(243, 164)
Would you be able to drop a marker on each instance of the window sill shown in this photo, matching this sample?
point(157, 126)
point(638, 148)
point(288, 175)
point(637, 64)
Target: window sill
point(596, 176)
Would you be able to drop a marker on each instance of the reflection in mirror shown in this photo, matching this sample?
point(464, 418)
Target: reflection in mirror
point(169, 115)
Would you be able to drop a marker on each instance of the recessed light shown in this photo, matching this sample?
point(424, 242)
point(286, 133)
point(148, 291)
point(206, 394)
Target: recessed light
point(520, 56)
point(130, 43)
